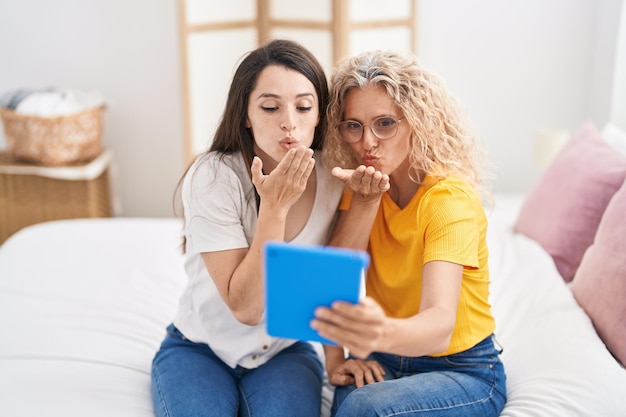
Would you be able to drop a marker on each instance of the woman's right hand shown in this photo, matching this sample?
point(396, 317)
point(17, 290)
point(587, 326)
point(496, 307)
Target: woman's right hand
point(285, 184)
point(366, 183)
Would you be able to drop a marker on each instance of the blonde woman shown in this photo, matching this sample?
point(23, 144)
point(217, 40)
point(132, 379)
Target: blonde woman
point(421, 343)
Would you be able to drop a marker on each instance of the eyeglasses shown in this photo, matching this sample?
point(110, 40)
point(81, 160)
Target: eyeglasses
point(383, 127)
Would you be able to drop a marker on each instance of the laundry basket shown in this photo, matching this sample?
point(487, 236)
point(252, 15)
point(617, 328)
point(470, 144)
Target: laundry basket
point(53, 141)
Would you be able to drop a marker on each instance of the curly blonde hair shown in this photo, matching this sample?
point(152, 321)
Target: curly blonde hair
point(441, 142)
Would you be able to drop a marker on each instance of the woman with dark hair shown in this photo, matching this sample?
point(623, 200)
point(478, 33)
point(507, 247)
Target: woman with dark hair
point(261, 180)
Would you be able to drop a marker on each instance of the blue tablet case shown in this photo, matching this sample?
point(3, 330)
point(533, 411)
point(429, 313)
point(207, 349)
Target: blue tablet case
point(300, 278)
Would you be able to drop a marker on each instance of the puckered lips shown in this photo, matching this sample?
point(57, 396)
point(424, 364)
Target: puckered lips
point(289, 142)
point(370, 160)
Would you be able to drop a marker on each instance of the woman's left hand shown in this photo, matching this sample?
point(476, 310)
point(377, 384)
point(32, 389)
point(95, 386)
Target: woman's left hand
point(358, 327)
point(282, 187)
point(358, 372)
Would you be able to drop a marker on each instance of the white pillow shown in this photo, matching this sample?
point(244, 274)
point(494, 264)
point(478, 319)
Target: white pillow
point(615, 136)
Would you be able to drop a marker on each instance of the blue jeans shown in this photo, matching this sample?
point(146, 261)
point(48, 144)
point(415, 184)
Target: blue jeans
point(188, 379)
point(470, 383)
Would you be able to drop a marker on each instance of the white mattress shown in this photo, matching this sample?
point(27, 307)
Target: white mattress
point(84, 305)
point(556, 364)
point(83, 308)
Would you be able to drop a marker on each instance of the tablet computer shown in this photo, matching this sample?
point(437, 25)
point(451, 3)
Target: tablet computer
point(300, 278)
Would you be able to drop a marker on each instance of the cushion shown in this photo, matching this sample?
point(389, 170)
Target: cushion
point(563, 209)
point(599, 285)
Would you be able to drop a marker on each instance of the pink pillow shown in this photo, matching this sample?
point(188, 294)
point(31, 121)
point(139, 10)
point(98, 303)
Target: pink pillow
point(600, 282)
point(563, 210)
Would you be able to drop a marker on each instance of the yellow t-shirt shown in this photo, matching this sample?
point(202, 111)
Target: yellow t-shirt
point(444, 221)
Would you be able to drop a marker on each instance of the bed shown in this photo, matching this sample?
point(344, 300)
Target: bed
point(84, 304)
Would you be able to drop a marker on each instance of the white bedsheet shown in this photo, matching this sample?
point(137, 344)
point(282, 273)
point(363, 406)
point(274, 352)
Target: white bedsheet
point(84, 305)
point(83, 308)
point(556, 364)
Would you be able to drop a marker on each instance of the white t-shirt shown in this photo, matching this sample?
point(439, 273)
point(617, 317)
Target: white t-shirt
point(220, 214)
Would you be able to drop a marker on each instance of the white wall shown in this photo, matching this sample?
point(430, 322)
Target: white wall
point(519, 67)
point(127, 51)
point(618, 99)
point(608, 80)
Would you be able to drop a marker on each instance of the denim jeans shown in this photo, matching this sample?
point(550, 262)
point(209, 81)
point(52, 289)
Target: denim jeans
point(188, 379)
point(470, 383)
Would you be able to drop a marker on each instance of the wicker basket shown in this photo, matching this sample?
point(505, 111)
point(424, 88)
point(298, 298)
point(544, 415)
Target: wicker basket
point(54, 141)
point(32, 194)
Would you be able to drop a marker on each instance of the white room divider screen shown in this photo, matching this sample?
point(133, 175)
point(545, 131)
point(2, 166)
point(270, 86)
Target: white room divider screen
point(214, 35)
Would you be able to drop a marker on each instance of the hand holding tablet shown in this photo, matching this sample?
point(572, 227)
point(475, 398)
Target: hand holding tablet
point(299, 278)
